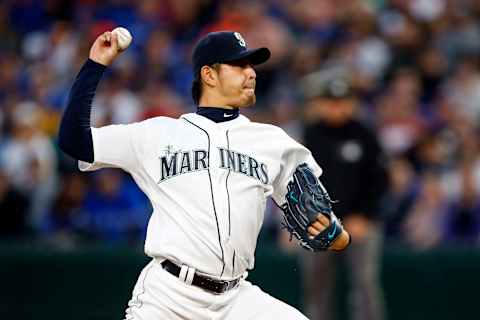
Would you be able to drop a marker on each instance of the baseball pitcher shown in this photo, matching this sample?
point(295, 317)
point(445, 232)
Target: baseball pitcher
point(208, 176)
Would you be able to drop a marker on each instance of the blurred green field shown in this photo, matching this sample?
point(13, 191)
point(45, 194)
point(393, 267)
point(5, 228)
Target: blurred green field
point(96, 282)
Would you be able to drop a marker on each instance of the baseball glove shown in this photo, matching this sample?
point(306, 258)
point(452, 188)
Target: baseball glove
point(305, 199)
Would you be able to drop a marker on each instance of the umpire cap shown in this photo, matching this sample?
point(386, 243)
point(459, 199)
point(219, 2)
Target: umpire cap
point(333, 82)
point(224, 47)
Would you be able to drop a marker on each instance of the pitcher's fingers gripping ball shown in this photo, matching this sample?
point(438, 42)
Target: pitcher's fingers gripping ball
point(308, 214)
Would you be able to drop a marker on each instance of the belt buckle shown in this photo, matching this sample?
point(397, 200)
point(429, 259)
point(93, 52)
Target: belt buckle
point(234, 284)
point(221, 285)
point(229, 285)
point(224, 285)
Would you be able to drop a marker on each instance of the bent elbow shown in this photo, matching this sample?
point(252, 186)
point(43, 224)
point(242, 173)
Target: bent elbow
point(67, 146)
point(78, 146)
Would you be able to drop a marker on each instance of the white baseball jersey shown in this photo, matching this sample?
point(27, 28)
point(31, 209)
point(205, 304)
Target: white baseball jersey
point(208, 184)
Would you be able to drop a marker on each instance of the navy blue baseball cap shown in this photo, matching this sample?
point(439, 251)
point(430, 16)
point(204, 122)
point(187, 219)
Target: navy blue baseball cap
point(224, 47)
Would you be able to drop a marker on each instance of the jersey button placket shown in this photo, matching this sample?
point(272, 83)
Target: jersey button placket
point(218, 181)
point(220, 175)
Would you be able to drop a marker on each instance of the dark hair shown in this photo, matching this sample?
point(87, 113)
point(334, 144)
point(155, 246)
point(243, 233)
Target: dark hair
point(196, 88)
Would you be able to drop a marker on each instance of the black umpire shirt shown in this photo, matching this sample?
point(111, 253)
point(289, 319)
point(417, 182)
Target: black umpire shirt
point(352, 163)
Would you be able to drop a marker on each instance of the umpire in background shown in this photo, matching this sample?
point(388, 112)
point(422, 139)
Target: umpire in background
point(354, 174)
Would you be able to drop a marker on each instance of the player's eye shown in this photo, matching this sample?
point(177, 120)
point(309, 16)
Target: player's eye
point(241, 63)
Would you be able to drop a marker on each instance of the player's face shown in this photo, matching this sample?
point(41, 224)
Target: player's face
point(236, 83)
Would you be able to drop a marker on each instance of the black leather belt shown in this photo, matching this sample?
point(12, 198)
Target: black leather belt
point(213, 285)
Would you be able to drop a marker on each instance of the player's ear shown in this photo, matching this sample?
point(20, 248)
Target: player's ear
point(209, 76)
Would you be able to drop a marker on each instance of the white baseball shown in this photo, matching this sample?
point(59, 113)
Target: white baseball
point(123, 36)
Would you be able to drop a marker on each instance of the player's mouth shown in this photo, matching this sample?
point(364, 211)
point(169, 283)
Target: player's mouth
point(250, 87)
point(249, 90)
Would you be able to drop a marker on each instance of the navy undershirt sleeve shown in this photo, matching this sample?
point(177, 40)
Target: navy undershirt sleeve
point(75, 134)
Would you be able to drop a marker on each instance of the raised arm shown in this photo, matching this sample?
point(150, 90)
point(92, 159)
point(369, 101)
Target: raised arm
point(75, 136)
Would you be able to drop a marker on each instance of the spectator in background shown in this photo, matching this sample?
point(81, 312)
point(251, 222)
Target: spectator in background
point(424, 224)
point(433, 67)
point(463, 88)
point(114, 211)
point(400, 118)
point(354, 174)
point(29, 161)
point(63, 226)
point(402, 192)
point(445, 210)
point(116, 104)
point(463, 221)
point(462, 224)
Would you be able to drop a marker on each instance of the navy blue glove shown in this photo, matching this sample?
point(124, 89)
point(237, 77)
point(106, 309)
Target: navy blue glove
point(305, 199)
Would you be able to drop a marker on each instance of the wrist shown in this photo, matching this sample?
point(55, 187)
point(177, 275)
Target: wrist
point(95, 64)
point(342, 242)
point(100, 61)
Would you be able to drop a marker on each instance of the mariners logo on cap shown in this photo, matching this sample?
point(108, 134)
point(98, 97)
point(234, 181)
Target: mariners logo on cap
point(240, 39)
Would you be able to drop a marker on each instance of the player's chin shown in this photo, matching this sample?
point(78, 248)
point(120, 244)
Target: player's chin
point(247, 100)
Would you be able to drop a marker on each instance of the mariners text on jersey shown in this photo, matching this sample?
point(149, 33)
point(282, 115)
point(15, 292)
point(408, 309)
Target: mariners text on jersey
point(244, 164)
point(178, 162)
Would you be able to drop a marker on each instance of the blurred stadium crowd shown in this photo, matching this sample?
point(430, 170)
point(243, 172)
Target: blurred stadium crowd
point(415, 67)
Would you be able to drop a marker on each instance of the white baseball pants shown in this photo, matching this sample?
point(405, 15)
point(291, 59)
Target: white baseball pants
point(159, 295)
